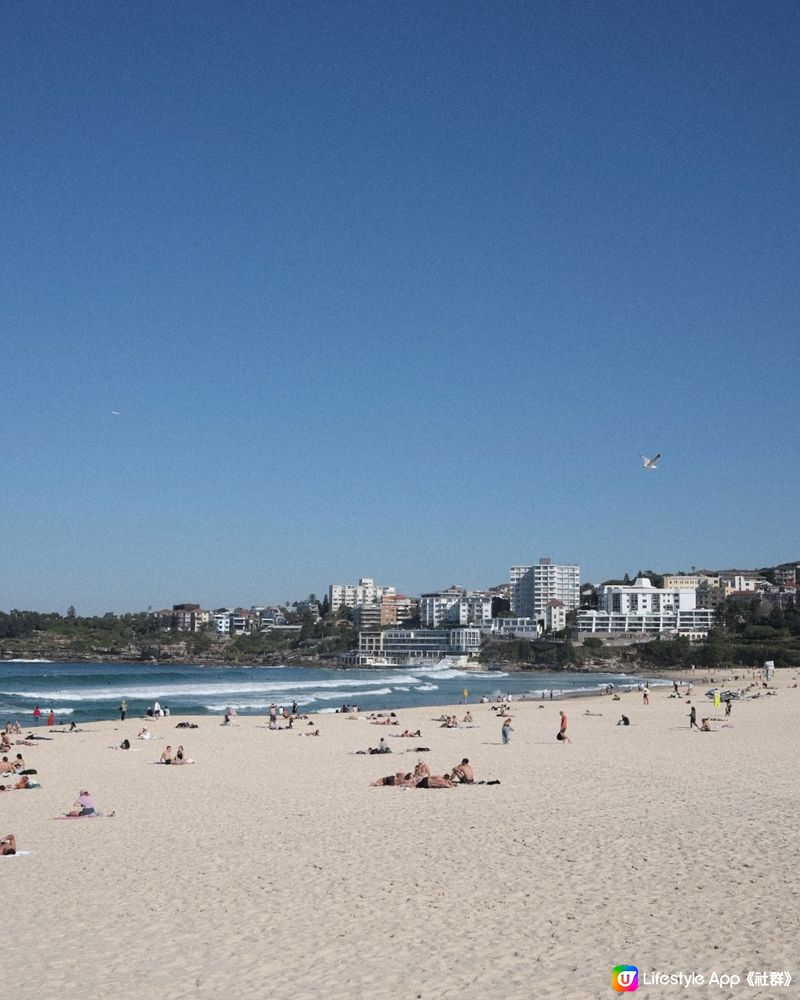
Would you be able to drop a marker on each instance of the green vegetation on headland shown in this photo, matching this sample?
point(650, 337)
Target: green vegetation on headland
point(744, 637)
point(140, 638)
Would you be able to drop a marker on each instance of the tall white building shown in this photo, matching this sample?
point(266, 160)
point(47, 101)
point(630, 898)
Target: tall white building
point(365, 592)
point(532, 587)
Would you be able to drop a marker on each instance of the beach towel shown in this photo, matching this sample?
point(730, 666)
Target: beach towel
point(95, 815)
point(19, 854)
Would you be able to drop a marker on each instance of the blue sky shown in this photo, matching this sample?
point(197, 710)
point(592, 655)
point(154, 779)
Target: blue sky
point(393, 289)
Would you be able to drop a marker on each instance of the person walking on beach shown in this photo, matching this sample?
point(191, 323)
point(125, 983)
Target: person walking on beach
point(37, 714)
point(506, 732)
point(693, 719)
point(123, 708)
point(561, 735)
point(51, 718)
point(646, 696)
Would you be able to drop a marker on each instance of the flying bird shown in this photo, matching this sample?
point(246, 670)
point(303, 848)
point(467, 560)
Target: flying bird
point(650, 463)
point(116, 413)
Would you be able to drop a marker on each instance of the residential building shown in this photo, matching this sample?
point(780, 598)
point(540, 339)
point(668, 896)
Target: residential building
point(555, 616)
point(397, 608)
point(221, 621)
point(189, 617)
point(787, 573)
point(365, 592)
point(681, 581)
point(642, 609)
point(454, 606)
point(533, 586)
point(519, 628)
point(367, 616)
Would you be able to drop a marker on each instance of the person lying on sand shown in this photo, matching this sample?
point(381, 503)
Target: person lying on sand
point(599, 715)
point(390, 779)
point(187, 725)
point(8, 845)
point(144, 734)
point(435, 781)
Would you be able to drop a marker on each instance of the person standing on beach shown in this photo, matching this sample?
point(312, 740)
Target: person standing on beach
point(51, 718)
point(506, 732)
point(123, 708)
point(37, 714)
point(561, 735)
point(646, 696)
point(693, 719)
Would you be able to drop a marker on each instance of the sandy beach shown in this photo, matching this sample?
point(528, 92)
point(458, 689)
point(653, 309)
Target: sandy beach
point(272, 868)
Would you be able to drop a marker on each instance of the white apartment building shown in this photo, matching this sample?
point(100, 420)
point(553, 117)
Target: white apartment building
point(454, 606)
point(533, 586)
point(644, 609)
point(521, 628)
point(221, 621)
point(348, 596)
point(742, 582)
point(555, 616)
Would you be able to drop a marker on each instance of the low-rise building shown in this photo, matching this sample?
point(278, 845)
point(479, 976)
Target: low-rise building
point(642, 609)
point(408, 646)
point(454, 606)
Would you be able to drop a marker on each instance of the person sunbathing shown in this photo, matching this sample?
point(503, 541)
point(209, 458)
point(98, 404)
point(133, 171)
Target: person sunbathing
point(24, 782)
point(8, 845)
point(390, 779)
point(705, 726)
point(6, 767)
point(463, 772)
point(145, 734)
point(181, 758)
point(421, 770)
point(436, 781)
point(166, 757)
point(468, 716)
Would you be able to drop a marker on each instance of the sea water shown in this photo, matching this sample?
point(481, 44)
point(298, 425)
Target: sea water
point(88, 691)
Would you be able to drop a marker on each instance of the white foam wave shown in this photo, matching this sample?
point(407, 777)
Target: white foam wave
point(427, 687)
point(306, 699)
point(169, 691)
point(19, 660)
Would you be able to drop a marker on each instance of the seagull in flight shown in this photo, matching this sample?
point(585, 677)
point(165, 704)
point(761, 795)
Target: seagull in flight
point(116, 413)
point(650, 463)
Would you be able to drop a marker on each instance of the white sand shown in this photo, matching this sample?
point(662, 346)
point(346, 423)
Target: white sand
point(271, 868)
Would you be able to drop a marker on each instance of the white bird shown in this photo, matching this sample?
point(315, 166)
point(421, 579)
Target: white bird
point(116, 413)
point(650, 463)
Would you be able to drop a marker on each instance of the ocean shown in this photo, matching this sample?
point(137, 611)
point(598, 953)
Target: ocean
point(86, 692)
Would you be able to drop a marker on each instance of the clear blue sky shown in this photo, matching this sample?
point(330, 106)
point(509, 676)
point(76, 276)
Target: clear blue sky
point(393, 289)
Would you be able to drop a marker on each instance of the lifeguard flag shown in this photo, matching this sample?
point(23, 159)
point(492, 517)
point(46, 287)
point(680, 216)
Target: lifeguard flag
point(716, 699)
point(466, 693)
